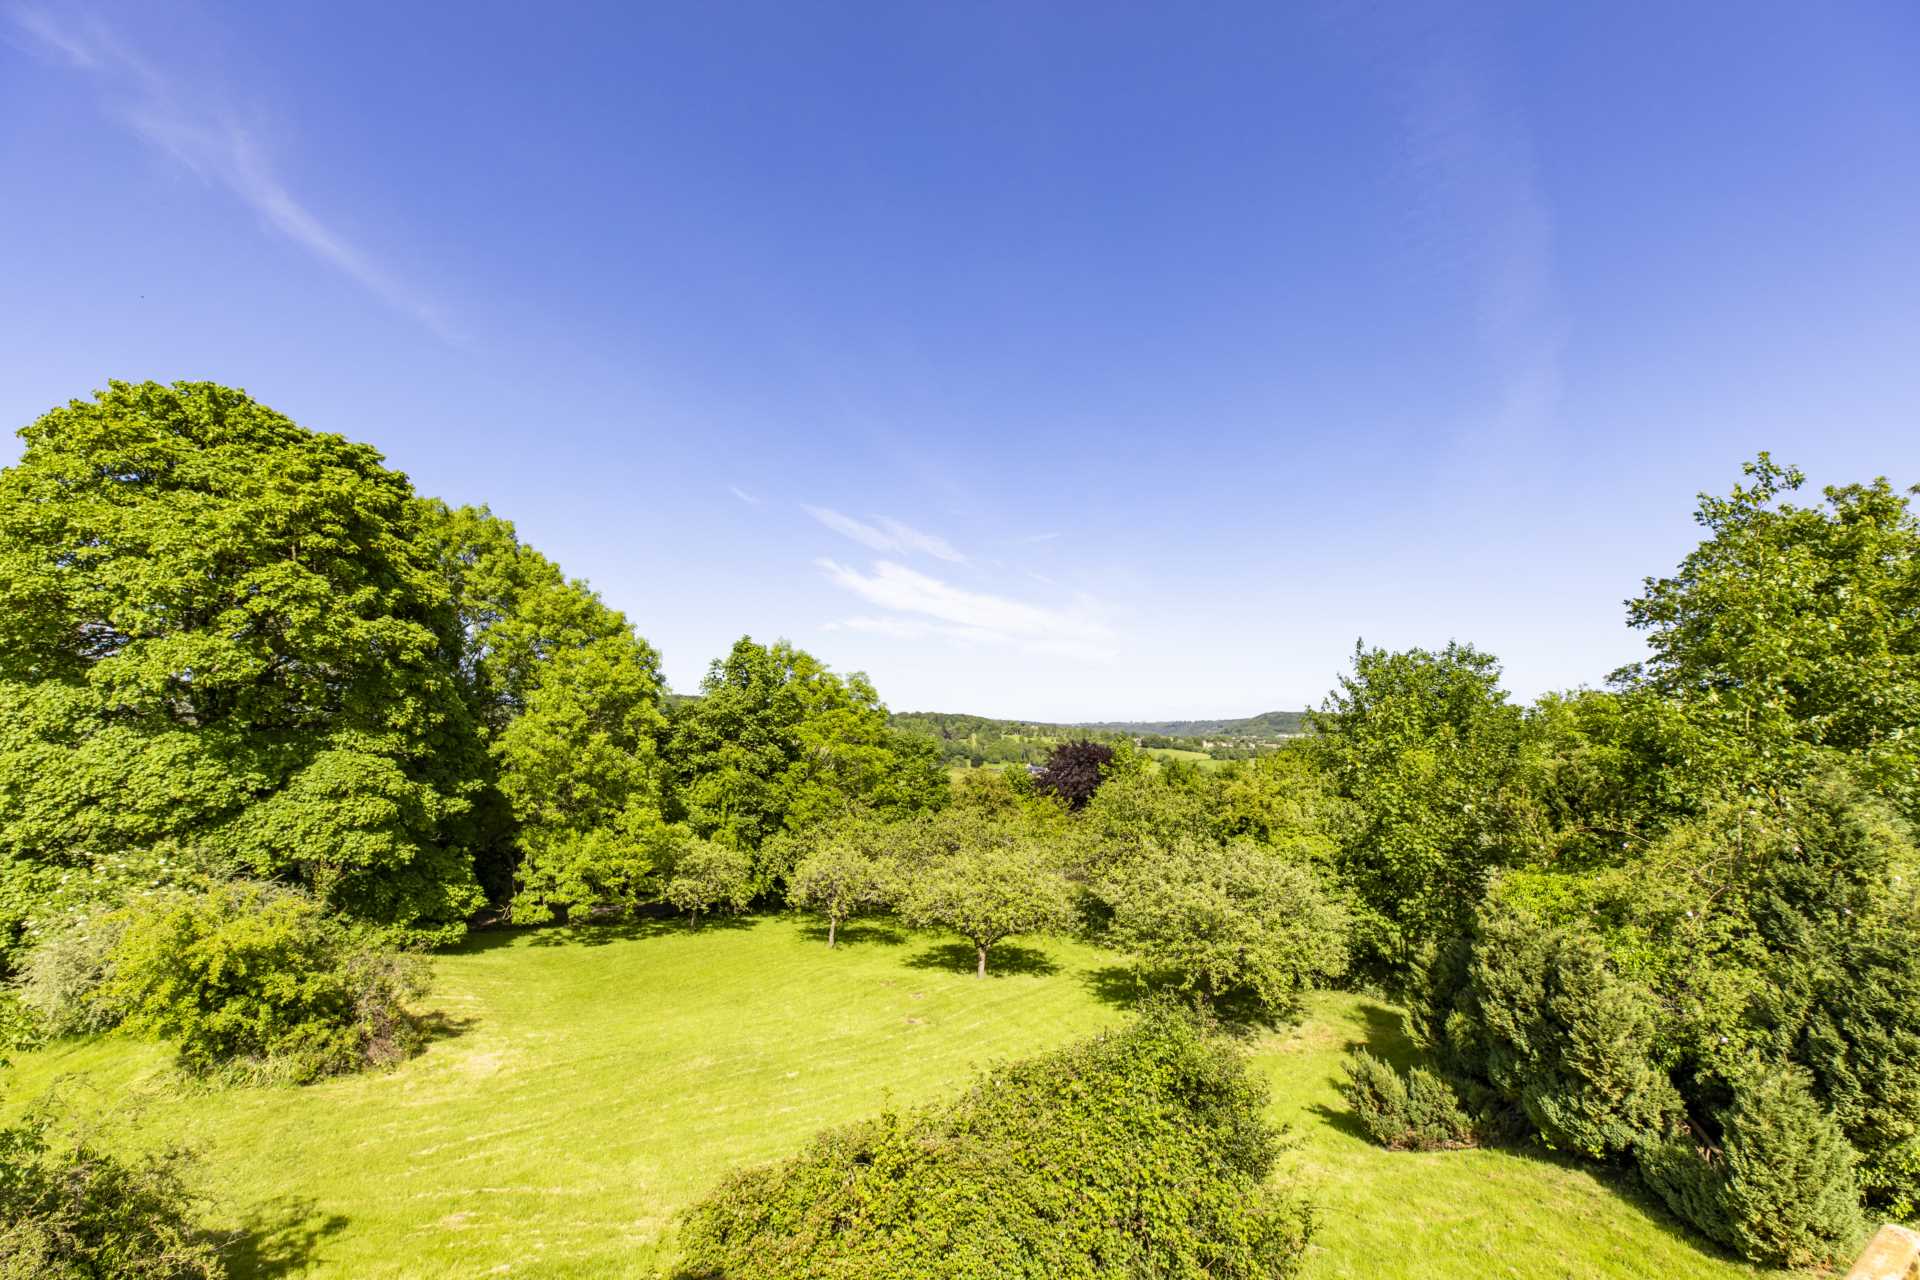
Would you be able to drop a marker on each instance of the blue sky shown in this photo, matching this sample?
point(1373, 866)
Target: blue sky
point(1064, 361)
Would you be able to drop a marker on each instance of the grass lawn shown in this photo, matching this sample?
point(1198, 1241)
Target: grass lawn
point(594, 1082)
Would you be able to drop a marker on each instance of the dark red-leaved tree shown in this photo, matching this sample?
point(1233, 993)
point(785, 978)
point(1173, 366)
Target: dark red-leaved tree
point(1073, 771)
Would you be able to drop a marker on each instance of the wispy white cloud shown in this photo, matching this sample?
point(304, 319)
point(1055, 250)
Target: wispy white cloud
point(41, 26)
point(743, 495)
point(915, 629)
point(1485, 209)
point(886, 534)
point(929, 606)
point(908, 538)
point(184, 123)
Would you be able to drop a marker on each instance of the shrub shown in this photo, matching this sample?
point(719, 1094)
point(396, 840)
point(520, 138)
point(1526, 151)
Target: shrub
point(1567, 1038)
point(1690, 1178)
point(1790, 1191)
point(62, 976)
point(262, 979)
point(1630, 1009)
point(1419, 1113)
point(19, 1029)
point(1781, 1188)
point(1141, 1153)
point(71, 1210)
point(1835, 905)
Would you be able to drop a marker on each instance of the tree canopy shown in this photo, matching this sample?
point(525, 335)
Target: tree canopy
point(1793, 628)
point(222, 641)
point(776, 740)
point(230, 645)
point(1423, 744)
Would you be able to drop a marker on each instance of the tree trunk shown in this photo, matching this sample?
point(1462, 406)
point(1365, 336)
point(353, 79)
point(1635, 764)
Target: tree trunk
point(833, 927)
point(981, 971)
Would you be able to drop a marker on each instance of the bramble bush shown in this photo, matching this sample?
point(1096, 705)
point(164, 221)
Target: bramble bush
point(1140, 1153)
point(262, 980)
point(70, 1211)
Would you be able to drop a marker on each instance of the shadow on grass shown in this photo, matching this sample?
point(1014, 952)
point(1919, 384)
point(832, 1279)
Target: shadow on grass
point(281, 1237)
point(440, 1025)
point(1005, 959)
point(1343, 1120)
point(857, 933)
point(1237, 1013)
point(1387, 1036)
point(1119, 985)
point(595, 933)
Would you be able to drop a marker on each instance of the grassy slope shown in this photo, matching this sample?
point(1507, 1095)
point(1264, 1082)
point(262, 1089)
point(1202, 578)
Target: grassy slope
point(1426, 1216)
point(596, 1086)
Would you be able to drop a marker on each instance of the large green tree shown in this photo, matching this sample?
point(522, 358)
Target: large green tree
point(223, 643)
point(572, 704)
point(1426, 748)
point(777, 741)
point(1792, 629)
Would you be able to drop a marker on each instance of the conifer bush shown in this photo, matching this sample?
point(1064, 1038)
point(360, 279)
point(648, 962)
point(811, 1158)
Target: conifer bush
point(1567, 1038)
point(1780, 1188)
point(1419, 1112)
point(1140, 1153)
point(1790, 1191)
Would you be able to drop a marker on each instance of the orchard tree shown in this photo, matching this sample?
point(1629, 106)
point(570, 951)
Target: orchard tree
point(223, 640)
point(709, 876)
point(1229, 918)
point(846, 873)
point(993, 882)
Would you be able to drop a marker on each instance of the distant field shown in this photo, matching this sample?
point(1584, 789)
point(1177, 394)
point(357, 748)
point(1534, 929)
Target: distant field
point(597, 1081)
point(1177, 753)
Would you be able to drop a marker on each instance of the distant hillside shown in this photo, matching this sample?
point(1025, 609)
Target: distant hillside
point(982, 739)
point(1266, 725)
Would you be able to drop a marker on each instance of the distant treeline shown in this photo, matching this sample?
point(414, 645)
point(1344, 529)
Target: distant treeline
point(982, 740)
point(1266, 726)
